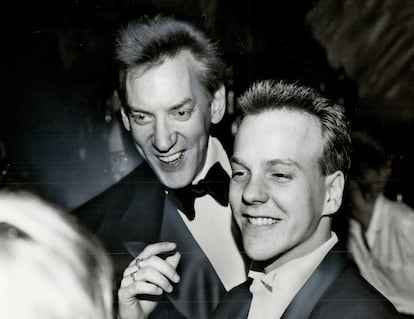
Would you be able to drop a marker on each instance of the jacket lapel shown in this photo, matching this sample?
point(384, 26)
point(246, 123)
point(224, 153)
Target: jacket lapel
point(140, 223)
point(199, 289)
point(236, 303)
point(308, 296)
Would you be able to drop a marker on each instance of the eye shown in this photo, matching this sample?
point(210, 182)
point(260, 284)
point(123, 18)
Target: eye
point(281, 177)
point(182, 114)
point(141, 118)
point(239, 175)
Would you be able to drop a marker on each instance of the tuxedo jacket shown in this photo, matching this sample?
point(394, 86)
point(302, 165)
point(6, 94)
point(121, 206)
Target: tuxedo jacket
point(135, 212)
point(334, 290)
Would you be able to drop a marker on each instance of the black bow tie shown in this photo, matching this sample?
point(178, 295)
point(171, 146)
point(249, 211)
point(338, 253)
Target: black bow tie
point(216, 184)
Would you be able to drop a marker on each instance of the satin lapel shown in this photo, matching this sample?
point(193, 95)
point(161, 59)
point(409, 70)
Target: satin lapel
point(305, 300)
point(140, 225)
point(199, 289)
point(236, 303)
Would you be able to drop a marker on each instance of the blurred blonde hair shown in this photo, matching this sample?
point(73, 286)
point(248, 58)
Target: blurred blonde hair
point(49, 266)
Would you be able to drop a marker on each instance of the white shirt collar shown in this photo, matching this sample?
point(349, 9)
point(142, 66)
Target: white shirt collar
point(215, 153)
point(283, 283)
point(305, 264)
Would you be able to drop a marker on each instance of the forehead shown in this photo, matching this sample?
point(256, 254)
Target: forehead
point(166, 83)
point(279, 134)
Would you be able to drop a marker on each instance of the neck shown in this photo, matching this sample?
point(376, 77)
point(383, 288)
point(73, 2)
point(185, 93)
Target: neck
point(319, 237)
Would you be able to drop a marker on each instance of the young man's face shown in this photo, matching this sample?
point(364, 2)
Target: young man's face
point(277, 191)
point(169, 116)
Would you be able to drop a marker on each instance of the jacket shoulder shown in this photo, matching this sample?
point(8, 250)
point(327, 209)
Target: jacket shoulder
point(108, 206)
point(351, 296)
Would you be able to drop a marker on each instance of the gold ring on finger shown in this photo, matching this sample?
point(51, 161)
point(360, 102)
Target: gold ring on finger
point(138, 263)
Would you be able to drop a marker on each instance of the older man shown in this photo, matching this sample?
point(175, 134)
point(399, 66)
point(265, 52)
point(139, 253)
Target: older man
point(171, 213)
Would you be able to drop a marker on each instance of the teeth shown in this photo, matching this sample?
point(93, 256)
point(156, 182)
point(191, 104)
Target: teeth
point(261, 221)
point(170, 158)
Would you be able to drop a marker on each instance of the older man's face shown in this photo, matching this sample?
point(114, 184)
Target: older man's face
point(169, 115)
point(277, 191)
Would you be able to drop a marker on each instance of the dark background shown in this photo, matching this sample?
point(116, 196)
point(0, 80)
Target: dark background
point(57, 77)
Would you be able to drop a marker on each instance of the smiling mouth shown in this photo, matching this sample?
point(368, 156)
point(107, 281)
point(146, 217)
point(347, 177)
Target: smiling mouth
point(261, 221)
point(171, 160)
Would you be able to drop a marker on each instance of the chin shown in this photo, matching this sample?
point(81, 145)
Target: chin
point(258, 253)
point(260, 257)
point(175, 183)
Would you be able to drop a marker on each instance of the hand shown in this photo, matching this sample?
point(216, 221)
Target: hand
point(147, 274)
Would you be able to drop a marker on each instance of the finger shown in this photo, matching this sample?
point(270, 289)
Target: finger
point(155, 249)
point(163, 267)
point(132, 267)
point(127, 280)
point(152, 264)
point(150, 251)
point(174, 260)
point(129, 292)
point(150, 275)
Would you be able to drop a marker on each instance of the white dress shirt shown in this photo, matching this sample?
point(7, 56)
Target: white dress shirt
point(385, 252)
point(211, 227)
point(274, 291)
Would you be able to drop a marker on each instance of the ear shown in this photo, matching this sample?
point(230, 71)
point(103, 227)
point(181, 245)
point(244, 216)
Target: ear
point(125, 119)
point(334, 184)
point(218, 105)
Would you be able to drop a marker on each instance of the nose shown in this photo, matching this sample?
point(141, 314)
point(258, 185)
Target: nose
point(164, 136)
point(255, 191)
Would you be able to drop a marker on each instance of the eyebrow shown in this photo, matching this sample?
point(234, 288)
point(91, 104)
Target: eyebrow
point(171, 108)
point(288, 162)
point(181, 104)
point(272, 162)
point(237, 160)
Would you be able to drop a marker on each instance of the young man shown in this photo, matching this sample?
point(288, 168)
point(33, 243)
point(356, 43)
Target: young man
point(291, 157)
point(171, 88)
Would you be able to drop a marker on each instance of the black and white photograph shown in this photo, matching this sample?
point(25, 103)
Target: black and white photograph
point(207, 159)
